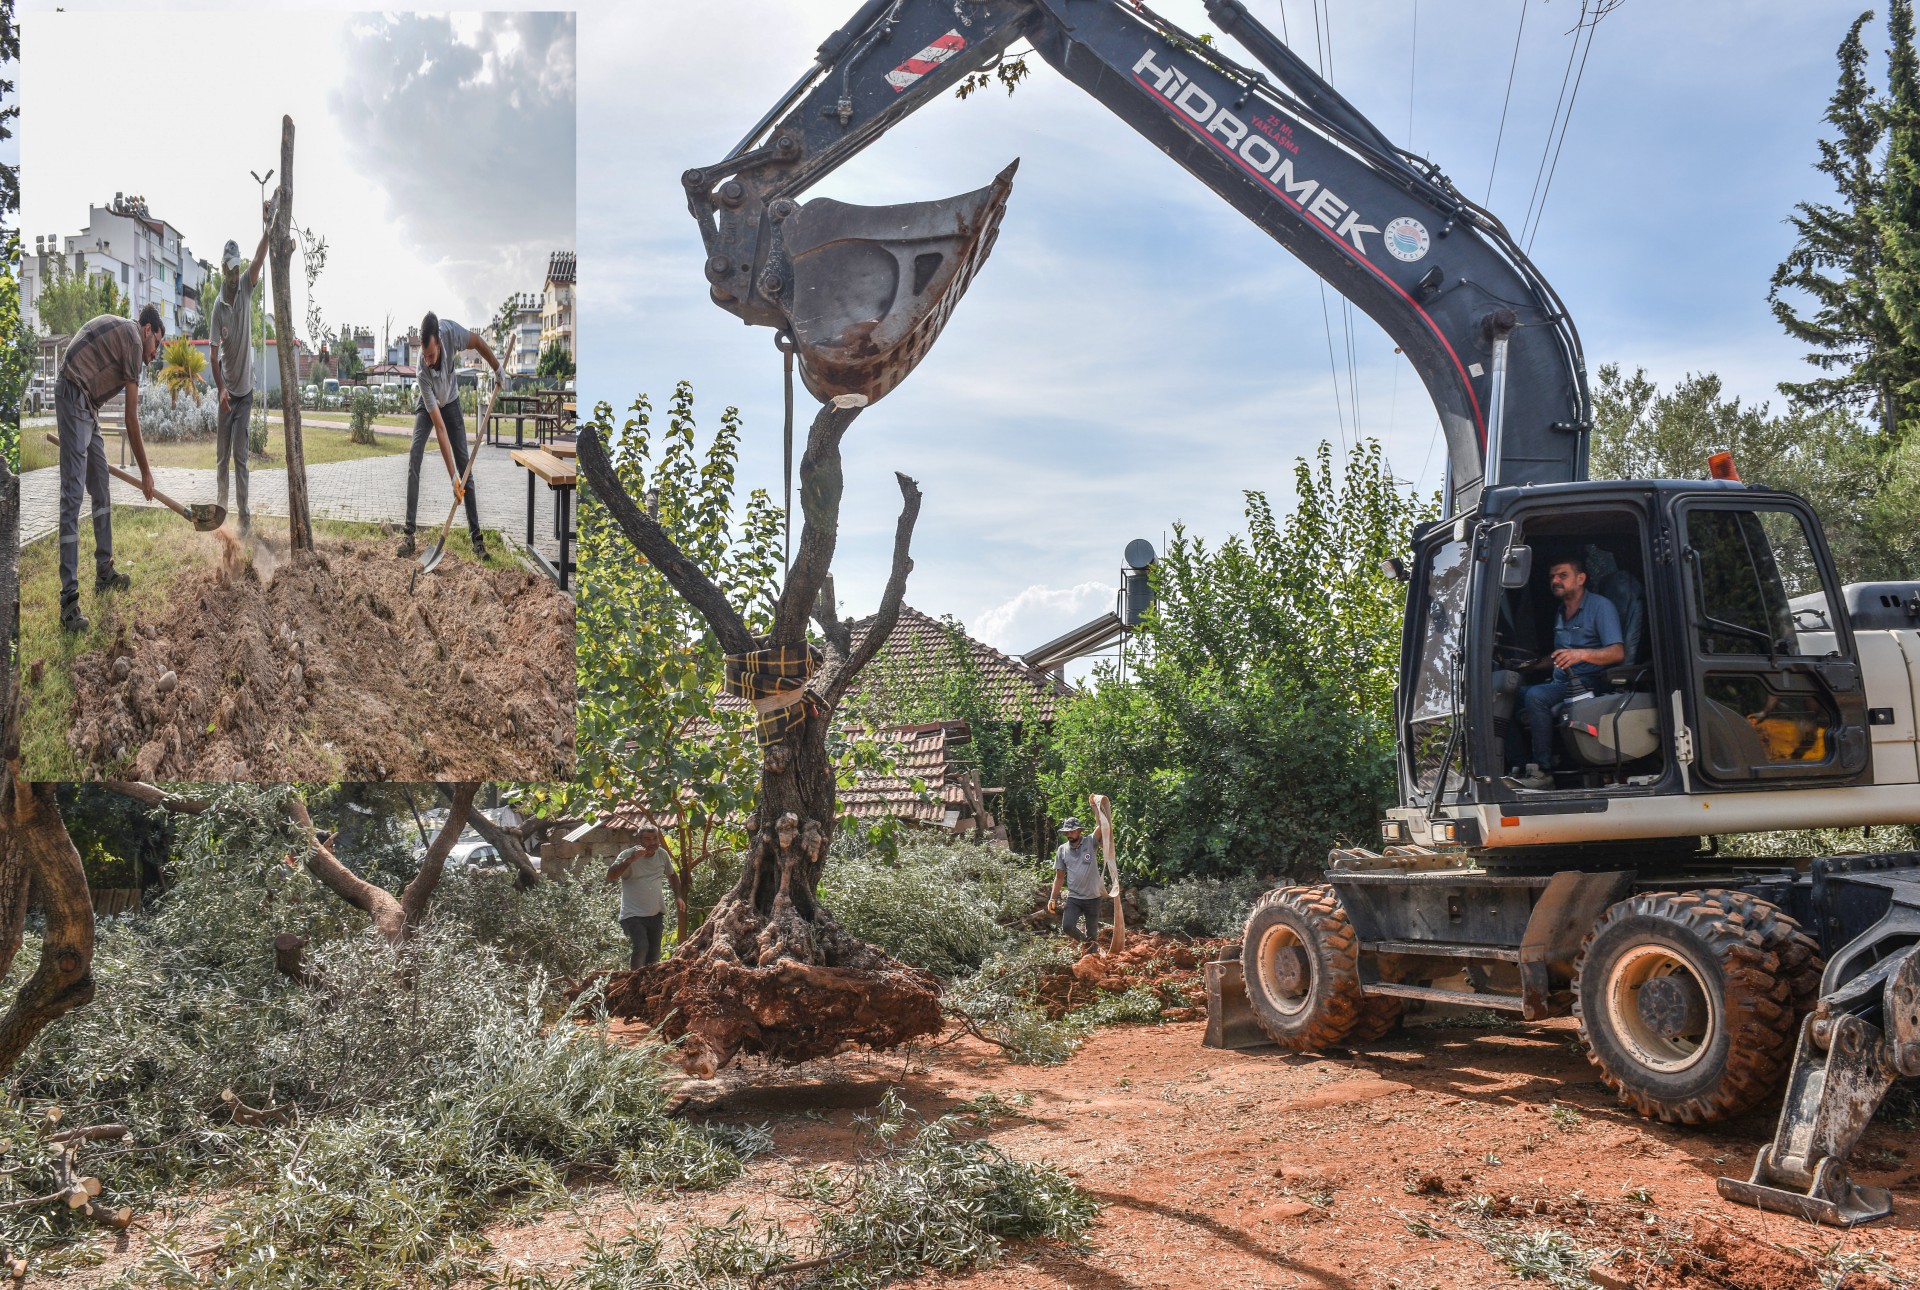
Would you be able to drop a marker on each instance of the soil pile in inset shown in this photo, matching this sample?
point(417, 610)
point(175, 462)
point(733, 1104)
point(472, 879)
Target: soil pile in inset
point(1172, 968)
point(328, 669)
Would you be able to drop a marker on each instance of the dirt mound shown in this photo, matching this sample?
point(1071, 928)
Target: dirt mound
point(1720, 1259)
point(1174, 969)
point(786, 1012)
point(327, 668)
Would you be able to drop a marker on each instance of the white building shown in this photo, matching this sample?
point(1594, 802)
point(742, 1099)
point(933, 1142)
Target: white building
point(146, 256)
point(521, 355)
point(556, 307)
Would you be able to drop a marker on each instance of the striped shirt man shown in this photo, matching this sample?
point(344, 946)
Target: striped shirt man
point(103, 357)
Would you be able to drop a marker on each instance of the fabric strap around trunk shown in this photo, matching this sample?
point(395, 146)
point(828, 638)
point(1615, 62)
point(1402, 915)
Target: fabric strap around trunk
point(774, 681)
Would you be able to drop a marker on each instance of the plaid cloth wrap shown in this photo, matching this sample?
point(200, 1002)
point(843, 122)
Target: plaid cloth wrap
point(774, 681)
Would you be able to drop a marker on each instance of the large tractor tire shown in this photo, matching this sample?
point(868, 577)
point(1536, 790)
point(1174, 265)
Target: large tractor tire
point(1689, 1002)
point(1300, 960)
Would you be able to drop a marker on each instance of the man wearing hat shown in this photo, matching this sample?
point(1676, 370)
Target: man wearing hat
point(641, 871)
point(1078, 861)
point(230, 350)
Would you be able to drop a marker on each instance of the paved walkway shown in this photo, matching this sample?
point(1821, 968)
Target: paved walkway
point(370, 489)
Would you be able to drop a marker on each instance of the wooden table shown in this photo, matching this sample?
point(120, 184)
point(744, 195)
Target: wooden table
point(561, 479)
point(564, 448)
point(519, 409)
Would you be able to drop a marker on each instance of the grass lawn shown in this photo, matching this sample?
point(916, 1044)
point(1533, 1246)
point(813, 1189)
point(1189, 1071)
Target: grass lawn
point(323, 444)
point(154, 547)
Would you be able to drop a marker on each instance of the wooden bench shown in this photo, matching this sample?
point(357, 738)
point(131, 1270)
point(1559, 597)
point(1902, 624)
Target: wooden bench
point(560, 478)
point(519, 409)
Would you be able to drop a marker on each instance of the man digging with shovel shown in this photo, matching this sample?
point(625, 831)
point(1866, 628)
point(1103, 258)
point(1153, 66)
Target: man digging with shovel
point(104, 358)
point(230, 348)
point(441, 342)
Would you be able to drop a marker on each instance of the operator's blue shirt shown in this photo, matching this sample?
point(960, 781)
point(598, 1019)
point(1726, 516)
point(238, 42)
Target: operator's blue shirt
point(1595, 625)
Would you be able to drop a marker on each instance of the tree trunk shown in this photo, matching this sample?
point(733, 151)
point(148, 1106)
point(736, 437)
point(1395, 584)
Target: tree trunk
point(771, 973)
point(35, 852)
point(510, 847)
point(395, 918)
point(280, 256)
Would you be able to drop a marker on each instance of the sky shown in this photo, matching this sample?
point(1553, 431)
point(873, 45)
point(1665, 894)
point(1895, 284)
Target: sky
point(1135, 353)
point(433, 152)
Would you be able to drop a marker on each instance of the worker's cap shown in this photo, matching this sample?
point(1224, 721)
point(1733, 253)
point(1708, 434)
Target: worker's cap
point(1071, 825)
point(231, 255)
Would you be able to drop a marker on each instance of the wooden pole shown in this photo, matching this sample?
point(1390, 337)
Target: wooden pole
point(299, 519)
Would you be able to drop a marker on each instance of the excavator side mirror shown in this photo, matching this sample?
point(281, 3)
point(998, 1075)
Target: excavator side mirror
point(1516, 567)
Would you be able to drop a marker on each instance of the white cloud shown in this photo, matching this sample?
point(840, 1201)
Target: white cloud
point(1040, 613)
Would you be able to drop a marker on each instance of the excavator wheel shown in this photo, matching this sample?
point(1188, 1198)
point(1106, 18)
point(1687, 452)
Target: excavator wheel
point(1689, 1002)
point(1300, 958)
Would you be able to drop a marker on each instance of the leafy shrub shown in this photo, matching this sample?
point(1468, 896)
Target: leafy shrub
point(360, 418)
point(196, 415)
point(1202, 906)
point(563, 928)
point(940, 905)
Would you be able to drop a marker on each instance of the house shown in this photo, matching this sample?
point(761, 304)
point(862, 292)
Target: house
point(520, 354)
point(146, 256)
point(556, 305)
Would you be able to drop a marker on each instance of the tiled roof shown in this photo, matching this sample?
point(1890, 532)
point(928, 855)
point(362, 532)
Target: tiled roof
point(920, 648)
point(924, 753)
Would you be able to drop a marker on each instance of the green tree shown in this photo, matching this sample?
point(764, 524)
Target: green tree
point(1836, 257)
point(360, 416)
point(1897, 215)
point(1643, 432)
point(653, 732)
point(1256, 728)
point(555, 361)
point(69, 299)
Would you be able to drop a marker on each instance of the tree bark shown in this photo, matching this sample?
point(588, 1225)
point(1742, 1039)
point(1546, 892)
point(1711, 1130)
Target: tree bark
point(770, 972)
point(280, 255)
point(507, 843)
point(35, 841)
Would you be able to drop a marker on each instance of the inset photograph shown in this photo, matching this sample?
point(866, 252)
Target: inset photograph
point(297, 466)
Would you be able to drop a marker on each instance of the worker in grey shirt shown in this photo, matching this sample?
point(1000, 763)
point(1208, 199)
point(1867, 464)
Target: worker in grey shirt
point(230, 349)
point(641, 871)
point(1077, 860)
point(442, 341)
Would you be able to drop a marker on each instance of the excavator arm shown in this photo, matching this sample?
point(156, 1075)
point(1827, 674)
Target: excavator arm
point(863, 291)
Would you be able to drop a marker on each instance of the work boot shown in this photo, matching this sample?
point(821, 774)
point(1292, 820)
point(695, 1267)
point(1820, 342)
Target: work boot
point(479, 547)
point(405, 551)
point(71, 619)
point(111, 580)
point(1534, 778)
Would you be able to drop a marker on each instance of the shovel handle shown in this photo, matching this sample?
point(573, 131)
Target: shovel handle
point(124, 477)
point(473, 455)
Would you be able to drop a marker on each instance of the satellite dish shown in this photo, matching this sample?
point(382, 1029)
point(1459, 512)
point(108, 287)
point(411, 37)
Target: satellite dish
point(1139, 553)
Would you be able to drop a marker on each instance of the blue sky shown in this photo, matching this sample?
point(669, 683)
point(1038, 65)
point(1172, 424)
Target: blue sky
point(1135, 353)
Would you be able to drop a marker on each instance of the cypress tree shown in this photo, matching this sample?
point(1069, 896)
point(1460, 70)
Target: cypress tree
point(1897, 215)
point(1836, 257)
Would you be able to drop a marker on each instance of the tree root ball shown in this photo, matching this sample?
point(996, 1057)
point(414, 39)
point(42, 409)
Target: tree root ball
point(786, 1012)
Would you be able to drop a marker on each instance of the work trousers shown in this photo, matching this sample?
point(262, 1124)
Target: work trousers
point(644, 932)
point(83, 468)
point(456, 440)
point(1075, 910)
point(232, 440)
point(1539, 701)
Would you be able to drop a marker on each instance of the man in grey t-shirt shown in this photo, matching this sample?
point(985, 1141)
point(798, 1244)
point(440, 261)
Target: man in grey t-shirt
point(442, 341)
point(641, 871)
point(1077, 860)
point(230, 352)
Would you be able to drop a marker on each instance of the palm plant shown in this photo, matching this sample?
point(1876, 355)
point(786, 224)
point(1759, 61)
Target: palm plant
point(182, 367)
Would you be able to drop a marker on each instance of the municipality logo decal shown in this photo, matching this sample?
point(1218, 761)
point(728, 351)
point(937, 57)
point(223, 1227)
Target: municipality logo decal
point(1407, 239)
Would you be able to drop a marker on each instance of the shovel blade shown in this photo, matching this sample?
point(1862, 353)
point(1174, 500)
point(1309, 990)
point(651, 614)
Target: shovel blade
point(430, 560)
point(206, 516)
point(874, 285)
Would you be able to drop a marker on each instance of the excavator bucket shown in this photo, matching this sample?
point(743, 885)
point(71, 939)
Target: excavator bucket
point(1863, 1035)
point(874, 285)
point(1230, 1019)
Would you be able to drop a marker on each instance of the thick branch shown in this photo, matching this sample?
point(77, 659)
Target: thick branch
point(153, 796)
point(826, 612)
point(660, 550)
point(375, 901)
point(37, 838)
point(508, 843)
point(414, 898)
point(889, 612)
point(821, 485)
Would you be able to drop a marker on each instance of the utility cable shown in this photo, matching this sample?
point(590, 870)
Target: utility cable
point(1547, 147)
point(1592, 27)
point(1504, 102)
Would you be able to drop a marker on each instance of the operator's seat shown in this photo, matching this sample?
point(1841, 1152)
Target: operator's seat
point(1628, 596)
point(1614, 727)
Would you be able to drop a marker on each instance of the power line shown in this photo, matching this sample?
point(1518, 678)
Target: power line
point(1552, 125)
point(1592, 27)
point(1333, 367)
point(1492, 170)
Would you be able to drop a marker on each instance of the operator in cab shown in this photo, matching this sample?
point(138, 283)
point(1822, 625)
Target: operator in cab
point(1587, 640)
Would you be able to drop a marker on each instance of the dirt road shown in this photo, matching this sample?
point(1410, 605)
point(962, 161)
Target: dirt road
point(1442, 1157)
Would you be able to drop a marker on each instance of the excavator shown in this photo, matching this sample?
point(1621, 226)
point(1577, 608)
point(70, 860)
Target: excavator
point(1753, 692)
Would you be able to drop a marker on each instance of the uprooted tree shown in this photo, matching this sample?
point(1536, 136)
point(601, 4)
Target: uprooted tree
point(771, 973)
